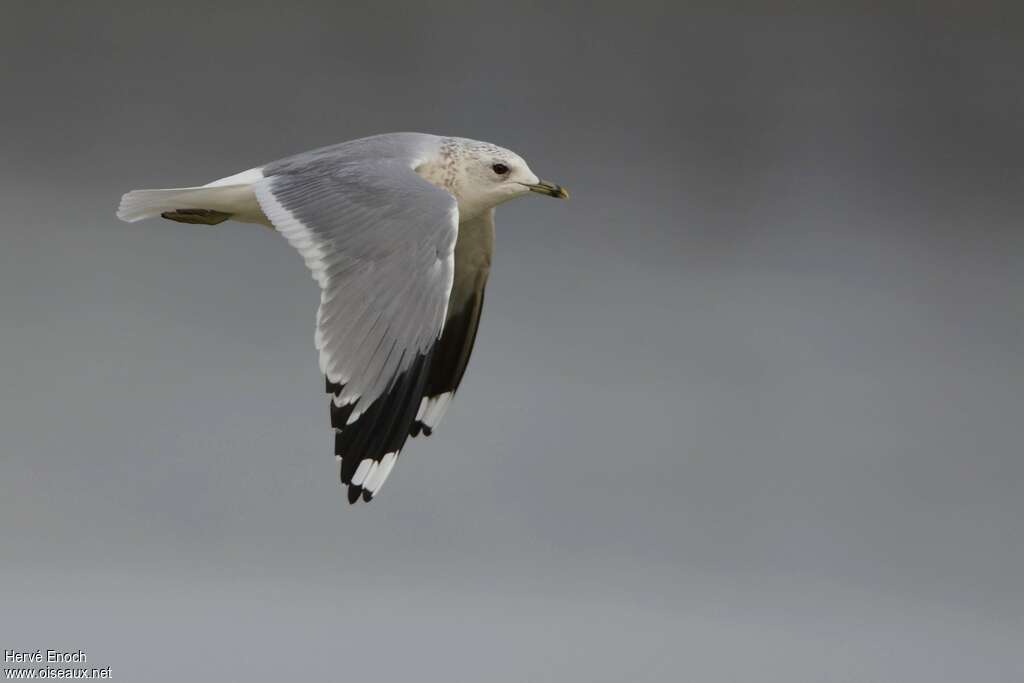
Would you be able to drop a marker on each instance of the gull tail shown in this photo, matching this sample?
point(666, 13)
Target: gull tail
point(140, 204)
point(230, 197)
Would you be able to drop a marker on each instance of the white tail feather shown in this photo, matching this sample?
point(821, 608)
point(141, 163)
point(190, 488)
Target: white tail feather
point(231, 195)
point(140, 204)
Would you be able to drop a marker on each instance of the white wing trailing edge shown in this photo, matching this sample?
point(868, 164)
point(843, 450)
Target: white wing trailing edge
point(380, 242)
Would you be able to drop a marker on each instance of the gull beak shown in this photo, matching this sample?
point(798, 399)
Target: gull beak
point(550, 189)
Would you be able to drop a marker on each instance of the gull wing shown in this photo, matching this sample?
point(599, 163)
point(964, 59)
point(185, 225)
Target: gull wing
point(380, 242)
point(473, 253)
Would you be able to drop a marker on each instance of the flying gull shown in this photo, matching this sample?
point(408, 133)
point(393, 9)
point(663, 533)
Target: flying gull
point(398, 230)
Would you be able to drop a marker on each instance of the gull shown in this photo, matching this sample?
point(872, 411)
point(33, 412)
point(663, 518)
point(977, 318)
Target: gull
point(398, 231)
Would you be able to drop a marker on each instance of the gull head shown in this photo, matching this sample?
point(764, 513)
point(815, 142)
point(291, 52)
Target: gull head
point(481, 175)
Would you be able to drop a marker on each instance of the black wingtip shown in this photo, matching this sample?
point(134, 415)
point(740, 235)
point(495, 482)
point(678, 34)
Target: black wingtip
point(420, 428)
point(353, 494)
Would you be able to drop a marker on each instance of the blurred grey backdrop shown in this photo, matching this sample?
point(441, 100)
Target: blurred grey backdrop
point(748, 407)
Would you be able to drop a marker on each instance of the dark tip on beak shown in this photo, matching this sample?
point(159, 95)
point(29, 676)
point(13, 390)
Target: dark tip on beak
point(550, 189)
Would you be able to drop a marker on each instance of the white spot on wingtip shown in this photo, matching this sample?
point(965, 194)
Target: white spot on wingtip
point(365, 468)
point(433, 408)
point(353, 417)
point(340, 400)
point(375, 481)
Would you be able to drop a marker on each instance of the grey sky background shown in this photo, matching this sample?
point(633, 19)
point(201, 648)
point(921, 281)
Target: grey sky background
point(748, 407)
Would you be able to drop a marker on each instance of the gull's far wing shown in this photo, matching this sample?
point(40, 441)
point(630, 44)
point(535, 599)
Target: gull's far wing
point(380, 241)
point(473, 253)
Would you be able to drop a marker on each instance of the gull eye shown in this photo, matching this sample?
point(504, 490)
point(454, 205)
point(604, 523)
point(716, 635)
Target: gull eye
point(500, 169)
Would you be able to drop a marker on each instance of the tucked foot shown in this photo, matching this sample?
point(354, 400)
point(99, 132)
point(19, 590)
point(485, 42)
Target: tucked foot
point(196, 216)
